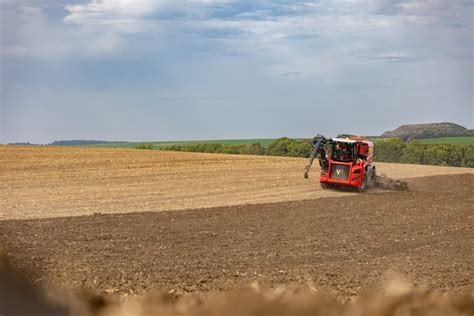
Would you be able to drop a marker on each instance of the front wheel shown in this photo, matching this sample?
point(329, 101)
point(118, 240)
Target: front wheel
point(373, 177)
point(363, 186)
point(325, 185)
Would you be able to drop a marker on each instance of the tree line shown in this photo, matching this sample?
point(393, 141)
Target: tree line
point(415, 152)
point(242, 149)
point(390, 150)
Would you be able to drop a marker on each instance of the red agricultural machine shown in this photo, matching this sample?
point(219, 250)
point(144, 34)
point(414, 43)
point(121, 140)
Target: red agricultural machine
point(347, 162)
point(344, 162)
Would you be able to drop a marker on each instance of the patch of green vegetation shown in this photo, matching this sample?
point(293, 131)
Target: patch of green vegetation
point(157, 145)
point(145, 146)
point(387, 150)
point(279, 147)
point(243, 149)
point(466, 140)
point(415, 152)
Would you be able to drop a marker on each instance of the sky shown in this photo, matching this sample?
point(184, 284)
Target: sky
point(142, 70)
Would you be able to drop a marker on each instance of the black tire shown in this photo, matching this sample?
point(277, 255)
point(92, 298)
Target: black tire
point(372, 179)
point(325, 185)
point(363, 187)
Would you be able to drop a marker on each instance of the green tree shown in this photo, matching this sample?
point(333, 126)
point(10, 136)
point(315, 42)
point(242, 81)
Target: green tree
point(414, 152)
point(468, 157)
point(229, 149)
point(278, 147)
point(144, 146)
point(390, 150)
point(437, 155)
point(455, 156)
point(299, 148)
point(252, 149)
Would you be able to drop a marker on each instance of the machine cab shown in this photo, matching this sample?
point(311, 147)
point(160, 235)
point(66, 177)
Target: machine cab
point(350, 150)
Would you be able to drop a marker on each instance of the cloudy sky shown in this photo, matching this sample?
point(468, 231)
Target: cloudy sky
point(205, 69)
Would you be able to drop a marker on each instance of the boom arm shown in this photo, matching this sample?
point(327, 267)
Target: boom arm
point(318, 147)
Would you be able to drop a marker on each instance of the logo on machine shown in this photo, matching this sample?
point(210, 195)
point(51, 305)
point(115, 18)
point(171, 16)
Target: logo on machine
point(339, 172)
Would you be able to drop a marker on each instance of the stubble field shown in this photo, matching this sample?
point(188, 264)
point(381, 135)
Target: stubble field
point(40, 182)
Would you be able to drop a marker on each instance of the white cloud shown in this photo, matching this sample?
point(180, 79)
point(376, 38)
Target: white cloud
point(277, 31)
point(28, 32)
point(123, 16)
point(130, 16)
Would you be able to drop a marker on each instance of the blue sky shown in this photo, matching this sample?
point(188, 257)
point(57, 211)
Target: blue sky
point(204, 69)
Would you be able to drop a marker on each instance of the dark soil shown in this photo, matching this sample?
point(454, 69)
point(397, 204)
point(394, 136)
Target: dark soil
point(340, 245)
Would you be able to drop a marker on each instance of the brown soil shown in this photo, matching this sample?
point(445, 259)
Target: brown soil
point(340, 245)
point(40, 182)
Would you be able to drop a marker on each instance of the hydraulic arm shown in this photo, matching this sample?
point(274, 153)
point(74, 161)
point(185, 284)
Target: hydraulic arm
point(318, 147)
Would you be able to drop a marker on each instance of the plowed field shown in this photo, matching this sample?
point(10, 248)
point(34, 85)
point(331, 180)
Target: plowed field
point(340, 245)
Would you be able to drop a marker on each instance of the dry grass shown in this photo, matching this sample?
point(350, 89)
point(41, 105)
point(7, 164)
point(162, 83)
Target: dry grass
point(37, 182)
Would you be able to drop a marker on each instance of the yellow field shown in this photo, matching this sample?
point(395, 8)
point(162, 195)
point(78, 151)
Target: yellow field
point(37, 182)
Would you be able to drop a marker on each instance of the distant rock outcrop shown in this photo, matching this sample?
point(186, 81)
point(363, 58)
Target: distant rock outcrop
point(431, 130)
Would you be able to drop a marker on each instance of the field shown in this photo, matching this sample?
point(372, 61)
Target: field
point(468, 140)
point(129, 221)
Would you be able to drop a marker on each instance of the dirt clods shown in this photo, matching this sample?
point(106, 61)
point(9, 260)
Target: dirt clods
point(386, 183)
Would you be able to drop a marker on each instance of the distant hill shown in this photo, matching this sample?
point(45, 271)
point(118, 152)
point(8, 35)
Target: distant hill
point(80, 142)
point(431, 130)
